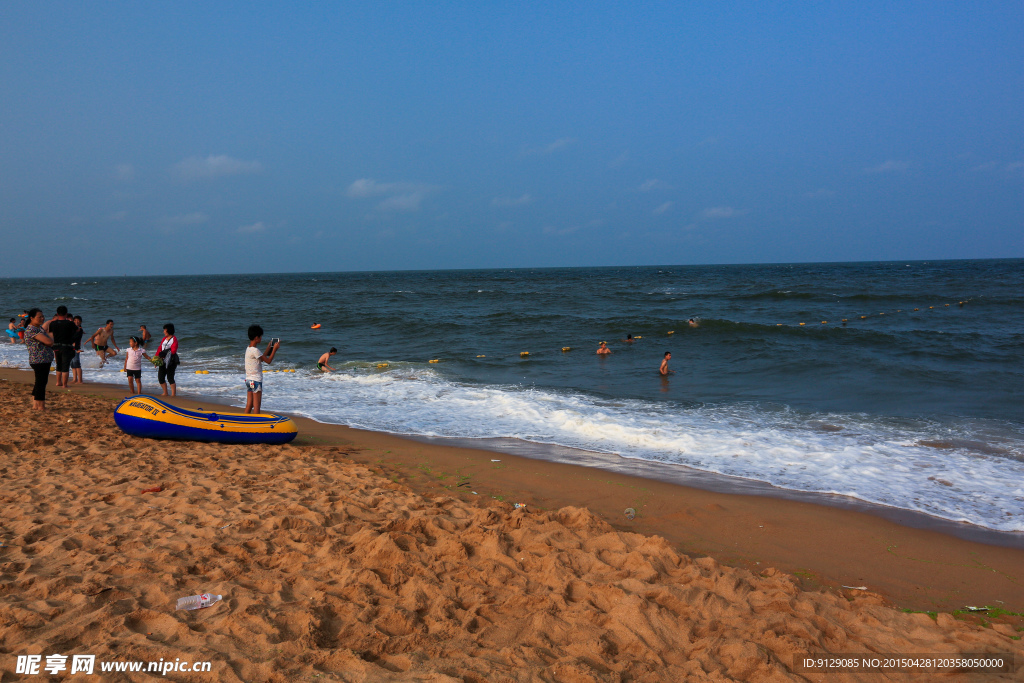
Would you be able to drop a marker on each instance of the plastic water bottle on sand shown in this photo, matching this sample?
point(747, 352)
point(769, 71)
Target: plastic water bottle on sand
point(198, 601)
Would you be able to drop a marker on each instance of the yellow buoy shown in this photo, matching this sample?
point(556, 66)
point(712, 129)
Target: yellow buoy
point(803, 323)
point(824, 322)
point(524, 353)
point(863, 317)
point(382, 365)
point(844, 320)
point(481, 356)
point(436, 360)
point(566, 348)
point(638, 337)
point(931, 307)
point(917, 309)
point(671, 331)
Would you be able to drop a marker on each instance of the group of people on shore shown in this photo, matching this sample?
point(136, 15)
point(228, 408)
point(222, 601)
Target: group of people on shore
point(58, 343)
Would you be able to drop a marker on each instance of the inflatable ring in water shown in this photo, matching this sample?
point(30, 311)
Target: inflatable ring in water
point(151, 418)
point(315, 327)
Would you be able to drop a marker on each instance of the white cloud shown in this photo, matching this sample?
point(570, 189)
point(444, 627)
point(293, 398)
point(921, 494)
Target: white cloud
point(368, 187)
point(214, 166)
point(254, 228)
point(124, 172)
point(402, 203)
point(890, 166)
point(399, 197)
point(558, 144)
point(512, 201)
point(987, 166)
point(194, 218)
point(552, 230)
point(663, 208)
point(720, 212)
point(996, 165)
point(653, 184)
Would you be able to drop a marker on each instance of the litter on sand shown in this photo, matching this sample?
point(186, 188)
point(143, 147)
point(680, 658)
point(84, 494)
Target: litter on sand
point(971, 608)
point(856, 588)
point(492, 460)
point(630, 513)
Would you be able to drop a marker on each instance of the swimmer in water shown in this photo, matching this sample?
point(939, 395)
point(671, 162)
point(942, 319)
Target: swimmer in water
point(692, 322)
point(663, 370)
point(322, 365)
point(603, 349)
point(628, 339)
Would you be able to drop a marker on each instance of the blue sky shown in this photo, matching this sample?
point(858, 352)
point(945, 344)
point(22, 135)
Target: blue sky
point(159, 138)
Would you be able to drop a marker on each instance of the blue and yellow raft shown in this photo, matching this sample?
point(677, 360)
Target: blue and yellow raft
point(153, 419)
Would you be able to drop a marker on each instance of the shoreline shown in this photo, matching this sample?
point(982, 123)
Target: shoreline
point(713, 482)
point(825, 547)
point(649, 470)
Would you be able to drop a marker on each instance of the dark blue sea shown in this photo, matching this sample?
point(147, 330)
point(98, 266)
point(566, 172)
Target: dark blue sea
point(916, 401)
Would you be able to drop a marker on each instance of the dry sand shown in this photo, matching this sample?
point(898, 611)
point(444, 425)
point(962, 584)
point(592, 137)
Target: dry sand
point(331, 570)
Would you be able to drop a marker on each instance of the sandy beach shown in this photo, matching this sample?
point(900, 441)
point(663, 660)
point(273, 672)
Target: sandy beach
point(356, 556)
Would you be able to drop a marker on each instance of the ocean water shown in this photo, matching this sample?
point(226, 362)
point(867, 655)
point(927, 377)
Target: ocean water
point(916, 409)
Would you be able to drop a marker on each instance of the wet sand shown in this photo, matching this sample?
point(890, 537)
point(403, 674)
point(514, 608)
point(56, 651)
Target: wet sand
point(354, 555)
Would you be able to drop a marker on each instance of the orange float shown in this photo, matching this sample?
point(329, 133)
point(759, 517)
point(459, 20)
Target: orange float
point(315, 327)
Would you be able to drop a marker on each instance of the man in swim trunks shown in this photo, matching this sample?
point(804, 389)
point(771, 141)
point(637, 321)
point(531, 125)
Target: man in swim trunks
point(322, 365)
point(603, 349)
point(100, 339)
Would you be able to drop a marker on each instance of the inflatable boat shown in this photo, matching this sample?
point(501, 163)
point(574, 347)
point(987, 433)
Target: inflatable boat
point(153, 419)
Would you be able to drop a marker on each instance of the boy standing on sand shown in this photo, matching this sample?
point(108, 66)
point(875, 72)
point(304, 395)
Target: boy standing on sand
point(254, 368)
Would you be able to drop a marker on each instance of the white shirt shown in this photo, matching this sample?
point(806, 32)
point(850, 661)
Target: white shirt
point(133, 358)
point(253, 364)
